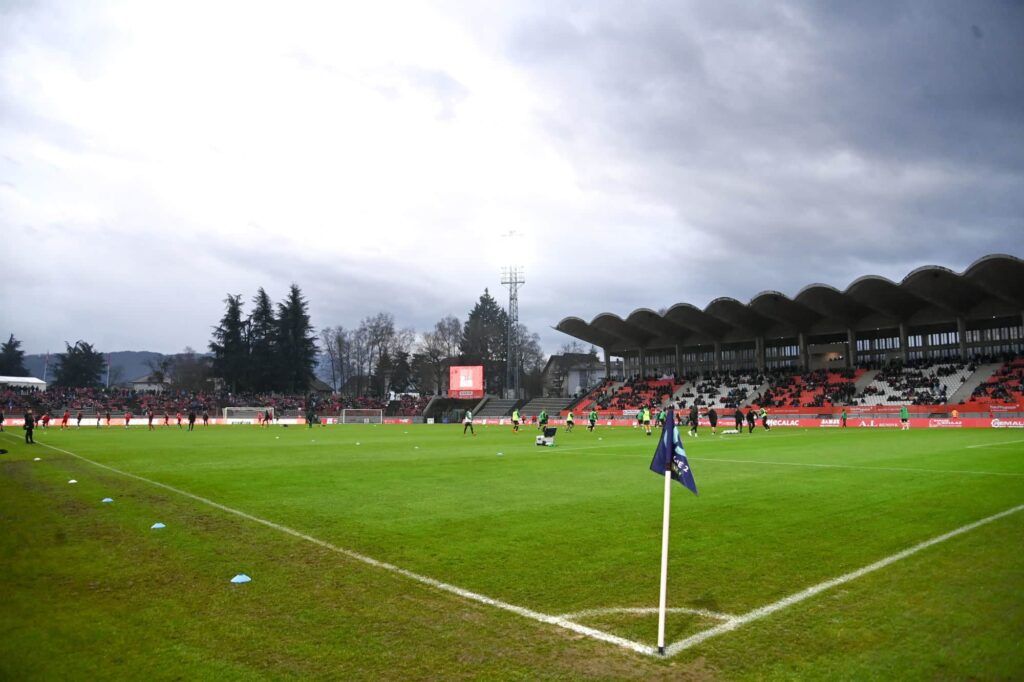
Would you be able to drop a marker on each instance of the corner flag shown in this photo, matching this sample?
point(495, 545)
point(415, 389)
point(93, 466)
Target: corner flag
point(670, 455)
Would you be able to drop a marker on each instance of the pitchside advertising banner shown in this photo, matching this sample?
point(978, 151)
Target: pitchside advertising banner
point(466, 382)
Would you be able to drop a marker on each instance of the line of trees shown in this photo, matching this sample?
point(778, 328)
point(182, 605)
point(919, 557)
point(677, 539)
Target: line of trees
point(12, 359)
point(268, 350)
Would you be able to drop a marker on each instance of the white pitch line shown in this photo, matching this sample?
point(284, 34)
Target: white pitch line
point(851, 466)
point(645, 610)
point(437, 584)
point(759, 613)
point(989, 445)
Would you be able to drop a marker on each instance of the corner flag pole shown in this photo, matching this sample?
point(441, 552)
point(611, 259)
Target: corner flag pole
point(664, 563)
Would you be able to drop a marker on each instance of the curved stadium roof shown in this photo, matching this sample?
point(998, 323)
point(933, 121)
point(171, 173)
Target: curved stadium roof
point(996, 279)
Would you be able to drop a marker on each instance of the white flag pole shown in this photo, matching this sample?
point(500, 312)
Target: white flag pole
point(664, 563)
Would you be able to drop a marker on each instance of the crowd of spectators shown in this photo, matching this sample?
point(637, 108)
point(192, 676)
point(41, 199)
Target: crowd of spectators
point(91, 401)
point(1005, 386)
point(919, 382)
point(811, 389)
point(638, 392)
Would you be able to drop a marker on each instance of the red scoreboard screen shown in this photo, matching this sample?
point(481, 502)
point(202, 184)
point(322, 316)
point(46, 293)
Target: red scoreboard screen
point(466, 382)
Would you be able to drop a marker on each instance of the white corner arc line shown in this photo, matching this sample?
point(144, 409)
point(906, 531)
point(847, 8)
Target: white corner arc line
point(644, 610)
point(992, 445)
point(437, 584)
point(863, 468)
point(763, 611)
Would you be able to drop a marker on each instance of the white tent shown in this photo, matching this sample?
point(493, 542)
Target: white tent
point(23, 382)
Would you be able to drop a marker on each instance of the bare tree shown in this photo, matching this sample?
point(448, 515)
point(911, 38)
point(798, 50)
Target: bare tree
point(329, 343)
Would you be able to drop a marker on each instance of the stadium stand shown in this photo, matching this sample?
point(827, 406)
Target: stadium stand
point(637, 392)
point(1006, 385)
point(917, 383)
point(552, 406)
point(497, 407)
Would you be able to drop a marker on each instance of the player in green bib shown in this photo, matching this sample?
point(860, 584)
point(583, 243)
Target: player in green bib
point(467, 423)
point(592, 418)
point(660, 419)
point(542, 419)
point(515, 421)
point(904, 418)
point(570, 422)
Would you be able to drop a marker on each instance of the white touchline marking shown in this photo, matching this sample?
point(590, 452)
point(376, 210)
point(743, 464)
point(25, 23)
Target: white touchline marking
point(989, 445)
point(852, 466)
point(437, 584)
point(763, 611)
point(645, 610)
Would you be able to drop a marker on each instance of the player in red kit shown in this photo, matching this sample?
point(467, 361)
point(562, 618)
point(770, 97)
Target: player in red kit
point(167, 418)
point(64, 420)
point(127, 419)
point(178, 415)
point(150, 415)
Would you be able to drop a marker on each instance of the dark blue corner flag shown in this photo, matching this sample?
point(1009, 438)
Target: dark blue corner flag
point(670, 453)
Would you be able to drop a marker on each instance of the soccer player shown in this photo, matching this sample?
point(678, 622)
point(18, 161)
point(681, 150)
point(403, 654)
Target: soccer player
point(167, 418)
point(569, 422)
point(46, 420)
point(542, 419)
point(592, 418)
point(659, 421)
point(150, 416)
point(191, 418)
point(127, 419)
point(645, 417)
point(639, 418)
point(467, 423)
point(64, 420)
point(78, 420)
point(713, 418)
point(764, 419)
point(178, 417)
point(1, 420)
point(206, 418)
point(751, 420)
point(694, 420)
point(738, 416)
point(842, 418)
point(99, 418)
point(107, 415)
point(30, 425)
point(515, 421)
point(904, 418)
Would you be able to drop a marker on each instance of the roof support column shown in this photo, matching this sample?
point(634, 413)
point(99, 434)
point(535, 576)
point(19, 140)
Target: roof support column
point(851, 348)
point(642, 357)
point(607, 364)
point(679, 361)
point(804, 361)
point(904, 342)
point(759, 352)
point(961, 335)
point(718, 356)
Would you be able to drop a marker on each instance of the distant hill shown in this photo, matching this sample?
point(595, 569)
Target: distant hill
point(125, 365)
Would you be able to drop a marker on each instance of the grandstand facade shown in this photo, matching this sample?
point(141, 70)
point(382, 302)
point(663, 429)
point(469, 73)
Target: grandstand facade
point(933, 314)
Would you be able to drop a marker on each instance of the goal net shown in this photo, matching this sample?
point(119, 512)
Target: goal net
point(246, 415)
point(362, 416)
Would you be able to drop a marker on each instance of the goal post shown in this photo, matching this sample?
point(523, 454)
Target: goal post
point(246, 415)
point(362, 417)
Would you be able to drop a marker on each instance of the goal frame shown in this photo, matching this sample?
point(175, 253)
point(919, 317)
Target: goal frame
point(245, 415)
point(361, 416)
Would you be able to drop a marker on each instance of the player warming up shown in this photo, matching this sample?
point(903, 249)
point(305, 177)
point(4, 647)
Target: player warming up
point(592, 419)
point(645, 418)
point(64, 420)
point(738, 417)
point(713, 418)
point(515, 421)
point(570, 422)
point(467, 423)
point(904, 419)
point(694, 420)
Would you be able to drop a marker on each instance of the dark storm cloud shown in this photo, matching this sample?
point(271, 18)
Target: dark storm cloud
point(795, 142)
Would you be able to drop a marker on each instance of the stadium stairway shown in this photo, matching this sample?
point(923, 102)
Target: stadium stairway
point(552, 405)
point(759, 391)
point(864, 380)
point(497, 407)
point(982, 374)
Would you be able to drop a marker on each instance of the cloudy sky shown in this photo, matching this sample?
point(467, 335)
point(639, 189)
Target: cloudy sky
point(156, 156)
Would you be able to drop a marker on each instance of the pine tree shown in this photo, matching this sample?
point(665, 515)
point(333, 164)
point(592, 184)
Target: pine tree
point(296, 342)
point(264, 366)
point(80, 366)
point(229, 347)
point(485, 340)
point(12, 359)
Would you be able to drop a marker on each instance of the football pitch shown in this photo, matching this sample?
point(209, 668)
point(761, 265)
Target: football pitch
point(416, 552)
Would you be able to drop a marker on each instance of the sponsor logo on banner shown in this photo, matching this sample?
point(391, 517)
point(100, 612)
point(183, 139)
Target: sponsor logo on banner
point(945, 423)
point(829, 422)
point(1003, 408)
point(1008, 423)
point(630, 413)
point(878, 423)
point(783, 422)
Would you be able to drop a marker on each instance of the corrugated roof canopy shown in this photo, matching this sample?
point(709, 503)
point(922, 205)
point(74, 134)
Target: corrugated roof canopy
point(998, 276)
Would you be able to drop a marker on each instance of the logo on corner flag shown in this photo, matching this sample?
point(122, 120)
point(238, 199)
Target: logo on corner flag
point(671, 455)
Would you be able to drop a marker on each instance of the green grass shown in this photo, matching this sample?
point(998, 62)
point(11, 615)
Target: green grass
point(87, 590)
